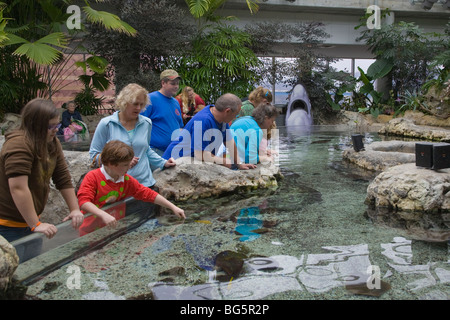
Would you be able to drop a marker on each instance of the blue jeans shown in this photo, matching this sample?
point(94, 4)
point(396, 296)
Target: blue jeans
point(160, 152)
point(26, 250)
point(13, 233)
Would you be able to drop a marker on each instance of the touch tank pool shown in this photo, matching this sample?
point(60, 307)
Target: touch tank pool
point(308, 239)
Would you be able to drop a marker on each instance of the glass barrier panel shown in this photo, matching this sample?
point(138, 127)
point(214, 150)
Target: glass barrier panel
point(39, 255)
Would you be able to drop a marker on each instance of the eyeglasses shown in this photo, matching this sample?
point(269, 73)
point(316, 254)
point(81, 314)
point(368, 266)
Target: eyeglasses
point(54, 126)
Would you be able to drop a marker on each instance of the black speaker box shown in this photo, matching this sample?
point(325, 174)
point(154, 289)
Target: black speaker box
point(441, 156)
point(358, 144)
point(424, 155)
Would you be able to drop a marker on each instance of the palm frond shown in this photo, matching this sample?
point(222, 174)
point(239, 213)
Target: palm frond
point(109, 21)
point(13, 39)
point(14, 30)
point(57, 39)
point(253, 6)
point(198, 7)
point(40, 53)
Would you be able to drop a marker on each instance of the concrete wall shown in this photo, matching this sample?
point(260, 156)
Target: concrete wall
point(339, 17)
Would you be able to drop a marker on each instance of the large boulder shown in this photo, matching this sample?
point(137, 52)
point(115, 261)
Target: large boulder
point(404, 195)
point(380, 155)
point(421, 119)
point(9, 261)
point(407, 128)
point(407, 187)
point(414, 198)
point(56, 209)
point(192, 180)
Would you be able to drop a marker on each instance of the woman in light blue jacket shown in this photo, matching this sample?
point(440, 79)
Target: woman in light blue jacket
point(129, 126)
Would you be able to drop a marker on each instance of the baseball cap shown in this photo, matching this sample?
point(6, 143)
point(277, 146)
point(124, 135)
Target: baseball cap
point(170, 74)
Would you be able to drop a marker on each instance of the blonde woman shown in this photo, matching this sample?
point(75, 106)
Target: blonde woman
point(129, 126)
point(258, 96)
point(190, 103)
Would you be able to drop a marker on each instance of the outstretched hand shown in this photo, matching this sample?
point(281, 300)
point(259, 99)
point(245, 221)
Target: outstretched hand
point(170, 163)
point(77, 218)
point(46, 228)
point(246, 166)
point(179, 212)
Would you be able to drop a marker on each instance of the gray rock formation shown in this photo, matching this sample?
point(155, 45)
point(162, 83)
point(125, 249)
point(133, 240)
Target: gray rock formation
point(190, 180)
point(403, 195)
point(56, 209)
point(8, 264)
point(413, 198)
point(407, 128)
point(380, 155)
point(410, 188)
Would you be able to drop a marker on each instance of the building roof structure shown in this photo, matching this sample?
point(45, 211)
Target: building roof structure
point(340, 18)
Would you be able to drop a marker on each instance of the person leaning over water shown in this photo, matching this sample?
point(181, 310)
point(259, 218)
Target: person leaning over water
point(206, 131)
point(30, 157)
point(249, 132)
point(110, 184)
point(129, 126)
point(255, 98)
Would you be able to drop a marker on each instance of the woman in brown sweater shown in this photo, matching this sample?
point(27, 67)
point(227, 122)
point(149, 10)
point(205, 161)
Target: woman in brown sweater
point(29, 157)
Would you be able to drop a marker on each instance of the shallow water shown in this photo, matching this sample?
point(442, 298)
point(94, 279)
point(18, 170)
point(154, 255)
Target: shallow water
point(308, 239)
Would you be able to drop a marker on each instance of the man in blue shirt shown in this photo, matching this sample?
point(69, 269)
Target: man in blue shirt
point(204, 134)
point(164, 111)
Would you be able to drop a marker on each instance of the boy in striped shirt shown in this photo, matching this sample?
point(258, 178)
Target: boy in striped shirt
point(110, 184)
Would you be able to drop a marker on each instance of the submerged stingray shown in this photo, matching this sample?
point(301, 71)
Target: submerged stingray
point(321, 141)
point(363, 289)
point(231, 262)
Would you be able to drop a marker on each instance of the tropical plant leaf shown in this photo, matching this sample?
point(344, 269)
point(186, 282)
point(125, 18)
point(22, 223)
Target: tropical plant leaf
point(85, 79)
point(109, 21)
point(97, 64)
point(198, 7)
point(13, 39)
point(3, 34)
point(100, 82)
point(40, 53)
point(55, 39)
point(81, 64)
point(377, 96)
point(363, 77)
point(253, 6)
point(379, 69)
